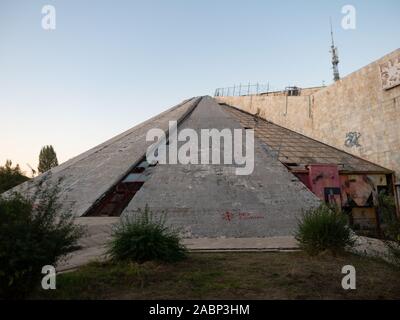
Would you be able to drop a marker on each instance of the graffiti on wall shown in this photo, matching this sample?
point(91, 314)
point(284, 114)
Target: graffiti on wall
point(325, 183)
point(390, 73)
point(352, 139)
point(230, 216)
point(361, 190)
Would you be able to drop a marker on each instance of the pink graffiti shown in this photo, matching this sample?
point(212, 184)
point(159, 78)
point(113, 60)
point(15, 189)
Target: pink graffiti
point(228, 216)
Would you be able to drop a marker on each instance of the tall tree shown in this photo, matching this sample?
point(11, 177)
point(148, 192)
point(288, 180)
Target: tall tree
point(10, 177)
point(47, 159)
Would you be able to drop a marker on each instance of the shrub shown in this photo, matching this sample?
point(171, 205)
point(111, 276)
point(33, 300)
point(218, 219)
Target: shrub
point(33, 233)
point(390, 226)
point(144, 238)
point(324, 228)
point(10, 177)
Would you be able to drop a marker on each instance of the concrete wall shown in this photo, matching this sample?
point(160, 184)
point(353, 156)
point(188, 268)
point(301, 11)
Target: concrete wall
point(354, 114)
point(211, 201)
point(88, 176)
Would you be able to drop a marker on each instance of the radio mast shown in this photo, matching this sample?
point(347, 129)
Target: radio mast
point(335, 57)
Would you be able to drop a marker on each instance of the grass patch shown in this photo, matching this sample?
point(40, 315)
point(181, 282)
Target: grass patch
point(259, 275)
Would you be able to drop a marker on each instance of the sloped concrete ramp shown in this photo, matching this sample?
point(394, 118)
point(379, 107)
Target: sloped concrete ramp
point(208, 203)
point(87, 177)
point(205, 200)
point(98, 252)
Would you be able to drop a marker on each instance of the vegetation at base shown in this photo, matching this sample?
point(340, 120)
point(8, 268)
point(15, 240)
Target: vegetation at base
point(390, 225)
point(144, 238)
point(230, 275)
point(324, 228)
point(33, 233)
point(47, 159)
point(10, 177)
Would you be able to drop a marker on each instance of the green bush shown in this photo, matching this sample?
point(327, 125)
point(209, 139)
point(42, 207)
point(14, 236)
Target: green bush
point(10, 177)
point(390, 226)
point(324, 228)
point(145, 238)
point(33, 233)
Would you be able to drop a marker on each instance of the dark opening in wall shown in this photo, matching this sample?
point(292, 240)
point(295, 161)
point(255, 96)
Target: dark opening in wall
point(291, 164)
point(118, 197)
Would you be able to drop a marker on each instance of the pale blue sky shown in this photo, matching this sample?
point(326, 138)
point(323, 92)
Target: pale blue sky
point(110, 65)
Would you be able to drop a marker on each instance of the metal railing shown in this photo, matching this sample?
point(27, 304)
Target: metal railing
point(242, 90)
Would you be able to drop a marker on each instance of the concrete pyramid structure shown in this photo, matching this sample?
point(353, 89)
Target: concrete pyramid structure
point(202, 200)
point(212, 201)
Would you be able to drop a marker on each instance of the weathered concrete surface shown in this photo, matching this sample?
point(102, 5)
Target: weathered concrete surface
point(292, 147)
point(212, 201)
point(283, 243)
point(97, 251)
point(371, 247)
point(357, 105)
point(88, 176)
point(94, 245)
